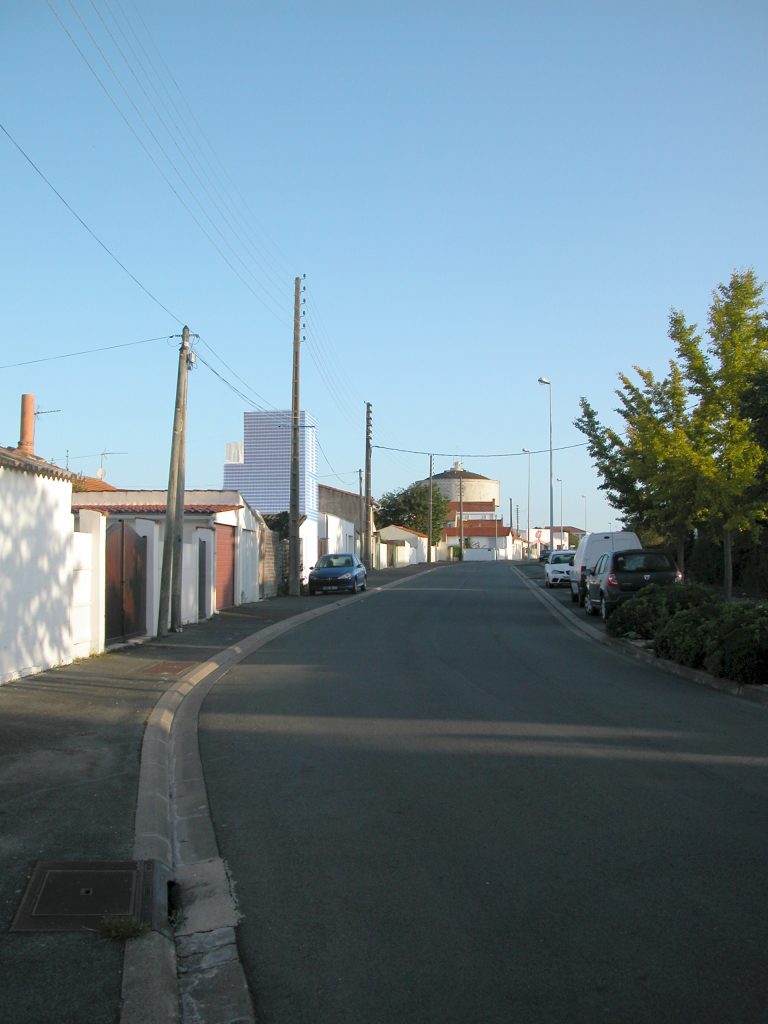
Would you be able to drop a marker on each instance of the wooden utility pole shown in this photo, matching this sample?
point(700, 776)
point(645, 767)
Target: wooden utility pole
point(174, 509)
point(294, 542)
point(362, 513)
point(429, 517)
point(368, 447)
point(461, 513)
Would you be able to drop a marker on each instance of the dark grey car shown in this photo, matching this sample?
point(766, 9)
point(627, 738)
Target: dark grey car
point(619, 575)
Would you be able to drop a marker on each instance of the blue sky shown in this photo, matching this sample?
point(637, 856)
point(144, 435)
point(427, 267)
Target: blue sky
point(478, 194)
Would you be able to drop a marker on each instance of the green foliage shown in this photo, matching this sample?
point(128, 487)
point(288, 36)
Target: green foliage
point(279, 523)
point(646, 614)
point(692, 627)
point(738, 649)
point(686, 637)
point(692, 448)
point(409, 507)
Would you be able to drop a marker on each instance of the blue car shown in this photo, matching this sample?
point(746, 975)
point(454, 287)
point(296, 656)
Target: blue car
point(333, 573)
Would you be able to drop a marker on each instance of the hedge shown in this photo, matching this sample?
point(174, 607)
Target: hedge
point(687, 624)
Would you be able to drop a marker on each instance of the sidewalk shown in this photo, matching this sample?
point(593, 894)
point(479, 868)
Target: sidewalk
point(70, 752)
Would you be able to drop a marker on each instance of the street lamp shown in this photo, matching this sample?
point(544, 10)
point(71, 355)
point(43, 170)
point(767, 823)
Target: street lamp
point(585, 512)
point(545, 380)
point(562, 542)
point(527, 451)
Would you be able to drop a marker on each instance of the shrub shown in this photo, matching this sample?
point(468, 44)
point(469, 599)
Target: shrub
point(738, 649)
point(648, 612)
point(686, 636)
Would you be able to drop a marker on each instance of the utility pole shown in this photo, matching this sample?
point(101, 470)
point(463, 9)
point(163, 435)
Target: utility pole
point(362, 511)
point(294, 570)
point(461, 514)
point(429, 517)
point(170, 572)
point(368, 448)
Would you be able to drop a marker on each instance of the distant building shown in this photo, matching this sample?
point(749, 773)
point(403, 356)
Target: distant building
point(259, 467)
point(470, 495)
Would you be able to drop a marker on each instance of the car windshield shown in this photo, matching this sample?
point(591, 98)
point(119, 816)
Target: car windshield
point(334, 562)
point(562, 559)
point(643, 561)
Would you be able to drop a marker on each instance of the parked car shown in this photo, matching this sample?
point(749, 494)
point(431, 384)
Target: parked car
point(619, 575)
point(544, 555)
point(332, 573)
point(558, 568)
point(588, 551)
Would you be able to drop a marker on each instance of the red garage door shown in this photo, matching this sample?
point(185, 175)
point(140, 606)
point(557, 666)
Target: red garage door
point(225, 566)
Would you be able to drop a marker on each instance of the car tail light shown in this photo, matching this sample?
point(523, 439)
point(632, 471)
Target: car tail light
point(611, 580)
point(583, 573)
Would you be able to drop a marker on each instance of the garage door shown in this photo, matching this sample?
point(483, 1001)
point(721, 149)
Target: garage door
point(225, 566)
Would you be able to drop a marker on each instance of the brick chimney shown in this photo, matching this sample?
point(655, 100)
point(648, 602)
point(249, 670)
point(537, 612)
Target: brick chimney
point(27, 439)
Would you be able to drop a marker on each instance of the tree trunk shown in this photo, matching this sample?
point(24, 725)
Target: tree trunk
point(727, 563)
point(681, 554)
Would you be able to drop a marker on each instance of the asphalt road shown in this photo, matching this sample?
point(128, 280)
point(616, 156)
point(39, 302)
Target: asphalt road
point(438, 804)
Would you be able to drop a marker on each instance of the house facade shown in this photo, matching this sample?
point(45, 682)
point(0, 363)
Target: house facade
point(228, 557)
point(51, 583)
point(397, 545)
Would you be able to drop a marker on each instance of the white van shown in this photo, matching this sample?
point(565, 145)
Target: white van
point(590, 547)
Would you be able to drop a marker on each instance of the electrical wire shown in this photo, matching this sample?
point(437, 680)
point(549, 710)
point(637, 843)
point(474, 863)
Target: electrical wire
point(84, 352)
point(236, 374)
point(280, 317)
point(93, 235)
point(502, 455)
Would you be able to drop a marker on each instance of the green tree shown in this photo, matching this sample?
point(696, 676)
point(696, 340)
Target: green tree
point(648, 469)
point(410, 507)
point(690, 452)
point(729, 456)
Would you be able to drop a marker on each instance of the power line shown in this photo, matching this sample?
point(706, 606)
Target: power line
point(84, 352)
point(93, 235)
point(236, 374)
point(154, 161)
point(502, 455)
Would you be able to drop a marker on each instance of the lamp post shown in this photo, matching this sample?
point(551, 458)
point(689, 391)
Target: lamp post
point(562, 542)
point(527, 451)
point(545, 380)
point(585, 512)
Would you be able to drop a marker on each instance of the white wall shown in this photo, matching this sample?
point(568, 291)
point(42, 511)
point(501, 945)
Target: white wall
point(36, 567)
point(89, 585)
point(478, 555)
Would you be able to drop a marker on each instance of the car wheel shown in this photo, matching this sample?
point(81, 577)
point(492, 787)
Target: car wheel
point(605, 611)
point(574, 596)
point(582, 598)
point(355, 587)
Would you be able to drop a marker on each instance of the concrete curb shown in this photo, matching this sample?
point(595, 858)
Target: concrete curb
point(755, 694)
point(198, 976)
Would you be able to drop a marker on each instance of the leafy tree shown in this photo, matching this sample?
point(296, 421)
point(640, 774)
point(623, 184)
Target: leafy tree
point(648, 469)
point(729, 455)
point(410, 507)
point(691, 453)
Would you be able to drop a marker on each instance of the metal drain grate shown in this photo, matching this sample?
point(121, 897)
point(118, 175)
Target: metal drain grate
point(71, 896)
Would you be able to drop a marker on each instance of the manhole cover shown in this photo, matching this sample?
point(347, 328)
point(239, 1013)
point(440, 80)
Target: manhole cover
point(68, 896)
